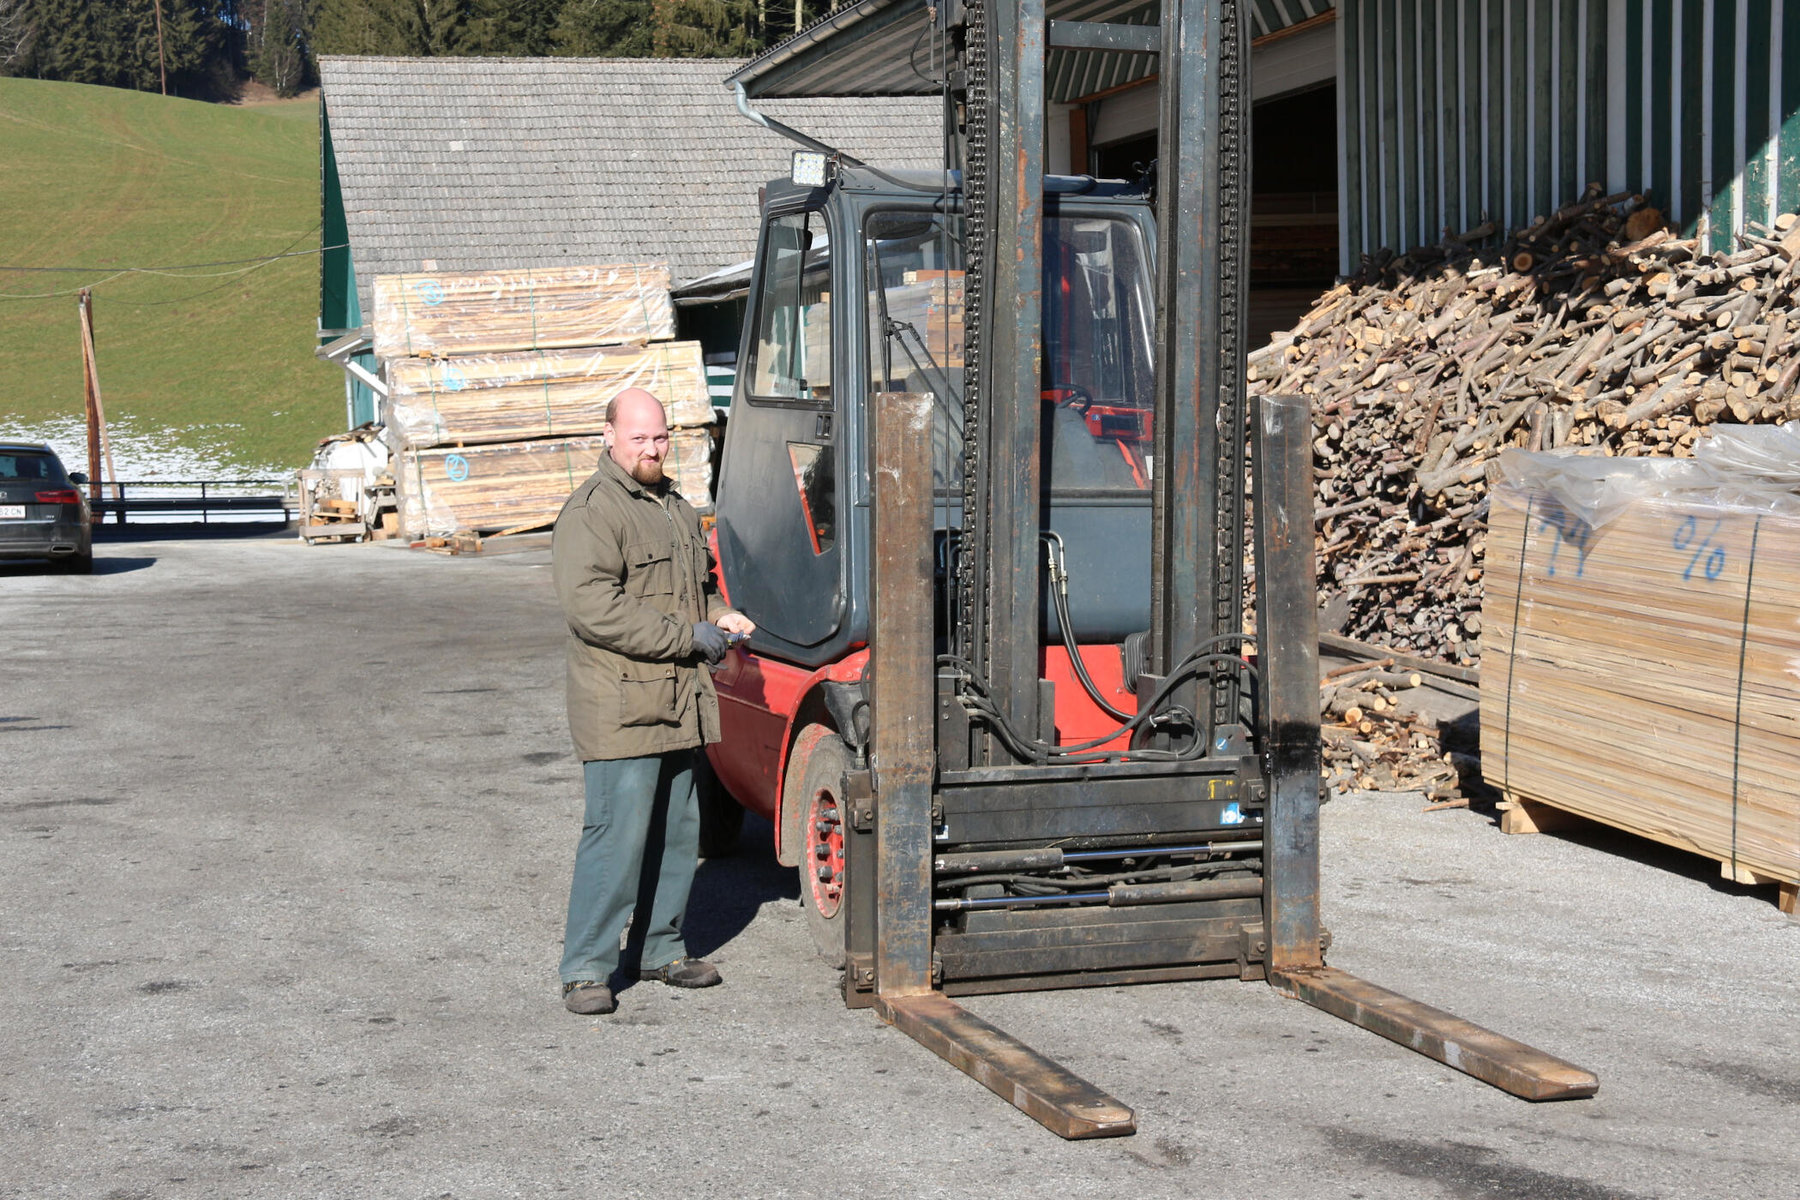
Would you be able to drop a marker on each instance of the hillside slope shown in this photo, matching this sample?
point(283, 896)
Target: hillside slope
point(216, 359)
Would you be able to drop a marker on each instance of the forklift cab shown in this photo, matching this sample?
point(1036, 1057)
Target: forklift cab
point(858, 290)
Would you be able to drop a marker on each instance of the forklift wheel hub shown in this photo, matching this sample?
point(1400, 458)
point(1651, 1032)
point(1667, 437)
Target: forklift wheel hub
point(825, 837)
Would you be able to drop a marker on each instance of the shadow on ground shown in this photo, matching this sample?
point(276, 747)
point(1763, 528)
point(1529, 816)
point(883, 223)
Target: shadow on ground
point(1464, 735)
point(104, 564)
point(163, 531)
point(728, 893)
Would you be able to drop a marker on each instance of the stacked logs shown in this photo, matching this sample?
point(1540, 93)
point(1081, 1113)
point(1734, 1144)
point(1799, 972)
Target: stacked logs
point(1373, 738)
point(1595, 327)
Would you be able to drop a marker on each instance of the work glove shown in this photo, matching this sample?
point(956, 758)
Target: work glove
point(711, 641)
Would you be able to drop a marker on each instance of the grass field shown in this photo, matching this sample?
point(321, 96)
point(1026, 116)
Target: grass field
point(216, 359)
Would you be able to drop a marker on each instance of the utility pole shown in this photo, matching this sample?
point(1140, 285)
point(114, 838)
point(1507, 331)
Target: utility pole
point(162, 65)
point(97, 447)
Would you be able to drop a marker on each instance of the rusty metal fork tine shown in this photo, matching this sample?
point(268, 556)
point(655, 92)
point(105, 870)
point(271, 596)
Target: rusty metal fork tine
point(1493, 1058)
point(1057, 1099)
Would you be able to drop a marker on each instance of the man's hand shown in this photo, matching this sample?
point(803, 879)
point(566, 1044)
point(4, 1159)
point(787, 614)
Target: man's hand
point(737, 622)
point(711, 641)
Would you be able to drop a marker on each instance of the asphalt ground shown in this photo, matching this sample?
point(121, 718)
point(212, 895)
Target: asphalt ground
point(285, 835)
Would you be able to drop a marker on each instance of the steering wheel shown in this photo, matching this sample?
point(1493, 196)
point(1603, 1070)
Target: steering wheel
point(1071, 395)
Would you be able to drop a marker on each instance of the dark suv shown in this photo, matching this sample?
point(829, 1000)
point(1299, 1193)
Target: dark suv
point(42, 511)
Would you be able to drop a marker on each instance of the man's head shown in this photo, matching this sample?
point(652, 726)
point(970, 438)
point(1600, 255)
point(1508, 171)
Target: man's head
point(637, 434)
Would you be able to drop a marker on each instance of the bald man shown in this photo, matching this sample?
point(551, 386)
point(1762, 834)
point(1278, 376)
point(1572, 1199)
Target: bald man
point(634, 576)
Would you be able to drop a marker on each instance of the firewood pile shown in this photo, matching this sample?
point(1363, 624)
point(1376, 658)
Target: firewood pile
point(1380, 731)
point(1596, 327)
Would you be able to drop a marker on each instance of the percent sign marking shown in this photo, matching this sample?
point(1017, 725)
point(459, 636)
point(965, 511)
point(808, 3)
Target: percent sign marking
point(1688, 536)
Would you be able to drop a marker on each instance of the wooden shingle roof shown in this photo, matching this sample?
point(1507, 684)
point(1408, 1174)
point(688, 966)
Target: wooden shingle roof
point(465, 164)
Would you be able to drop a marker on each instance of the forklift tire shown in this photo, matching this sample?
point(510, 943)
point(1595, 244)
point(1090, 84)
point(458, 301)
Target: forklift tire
point(721, 816)
point(817, 795)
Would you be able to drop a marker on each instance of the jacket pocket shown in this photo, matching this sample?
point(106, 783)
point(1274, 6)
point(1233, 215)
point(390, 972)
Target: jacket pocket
point(647, 693)
point(649, 569)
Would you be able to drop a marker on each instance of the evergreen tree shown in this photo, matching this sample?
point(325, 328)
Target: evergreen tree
point(520, 28)
point(703, 28)
point(604, 29)
point(429, 28)
point(114, 43)
point(349, 27)
point(415, 28)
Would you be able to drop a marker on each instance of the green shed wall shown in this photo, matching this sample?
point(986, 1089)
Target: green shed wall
point(340, 309)
point(1452, 112)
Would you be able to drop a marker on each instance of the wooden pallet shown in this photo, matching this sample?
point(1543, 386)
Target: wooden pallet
point(1520, 814)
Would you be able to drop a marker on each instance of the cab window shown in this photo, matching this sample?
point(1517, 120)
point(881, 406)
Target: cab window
point(791, 354)
point(1097, 388)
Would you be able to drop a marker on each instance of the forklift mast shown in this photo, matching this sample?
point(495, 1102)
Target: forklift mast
point(977, 846)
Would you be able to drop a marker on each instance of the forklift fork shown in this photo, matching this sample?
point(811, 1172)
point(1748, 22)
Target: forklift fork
point(903, 766)
point(1281, 463)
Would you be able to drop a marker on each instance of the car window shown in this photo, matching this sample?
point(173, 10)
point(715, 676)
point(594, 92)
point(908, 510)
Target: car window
point(30, 467)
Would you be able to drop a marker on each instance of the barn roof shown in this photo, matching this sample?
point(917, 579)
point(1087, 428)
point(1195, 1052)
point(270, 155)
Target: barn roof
point(490, 163)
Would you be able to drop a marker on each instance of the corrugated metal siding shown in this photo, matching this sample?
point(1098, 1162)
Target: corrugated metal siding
point(1452, 112)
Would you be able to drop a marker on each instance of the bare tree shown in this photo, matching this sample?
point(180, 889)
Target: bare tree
point(18, 30)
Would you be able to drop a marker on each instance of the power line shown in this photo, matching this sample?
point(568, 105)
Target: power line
point(224, 262)
point(170, 272)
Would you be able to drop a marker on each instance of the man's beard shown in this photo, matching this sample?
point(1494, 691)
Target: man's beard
point(647, 471)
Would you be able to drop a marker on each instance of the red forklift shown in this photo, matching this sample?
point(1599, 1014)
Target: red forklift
point(984, 491)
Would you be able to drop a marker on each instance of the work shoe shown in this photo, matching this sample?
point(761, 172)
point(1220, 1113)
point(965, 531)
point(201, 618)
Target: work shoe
point(685, 973)
point(588, 998)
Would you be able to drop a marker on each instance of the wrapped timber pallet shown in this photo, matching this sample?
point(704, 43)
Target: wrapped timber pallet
point(543, 308)
point(521, 485)
point(531, 394)
point(1641, 648)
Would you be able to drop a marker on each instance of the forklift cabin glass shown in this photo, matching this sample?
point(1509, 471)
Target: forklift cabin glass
point(791, 358)
point(1098, 381)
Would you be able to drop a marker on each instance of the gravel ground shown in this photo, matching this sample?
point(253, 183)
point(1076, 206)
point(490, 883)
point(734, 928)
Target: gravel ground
point(284, 843)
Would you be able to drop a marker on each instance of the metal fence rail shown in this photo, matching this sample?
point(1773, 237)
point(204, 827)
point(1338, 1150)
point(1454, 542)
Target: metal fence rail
point(204, 498)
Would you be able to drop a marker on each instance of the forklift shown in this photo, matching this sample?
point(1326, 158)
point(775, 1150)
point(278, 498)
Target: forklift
point(984, 491)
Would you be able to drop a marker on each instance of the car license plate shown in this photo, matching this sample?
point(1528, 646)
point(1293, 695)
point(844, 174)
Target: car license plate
point(12, 512)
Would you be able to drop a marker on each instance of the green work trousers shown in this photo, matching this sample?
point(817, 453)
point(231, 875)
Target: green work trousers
point(640, 845)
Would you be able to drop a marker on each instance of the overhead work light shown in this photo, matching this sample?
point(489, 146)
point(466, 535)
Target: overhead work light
point(809, 168)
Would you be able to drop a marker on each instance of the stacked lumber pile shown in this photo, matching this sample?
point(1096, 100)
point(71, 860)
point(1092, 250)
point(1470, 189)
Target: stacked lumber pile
point(506, 485)
point(1595, 327)
point(931, 303)
point(531, 394)
point(542, 309)
point(1641, 671)
point(498, 385)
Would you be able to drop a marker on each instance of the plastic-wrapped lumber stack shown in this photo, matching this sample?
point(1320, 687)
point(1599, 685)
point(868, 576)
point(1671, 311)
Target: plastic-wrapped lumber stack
point(1640, 635)
point(498, 385)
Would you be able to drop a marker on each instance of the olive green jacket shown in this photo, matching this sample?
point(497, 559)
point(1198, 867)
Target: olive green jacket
point(633, 574)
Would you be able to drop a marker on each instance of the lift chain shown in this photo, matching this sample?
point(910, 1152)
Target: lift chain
point(977, 115)
point(1233, 421)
